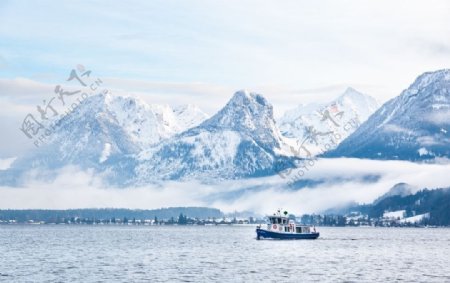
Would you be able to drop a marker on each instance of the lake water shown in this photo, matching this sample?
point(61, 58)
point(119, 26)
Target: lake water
point(223, 254)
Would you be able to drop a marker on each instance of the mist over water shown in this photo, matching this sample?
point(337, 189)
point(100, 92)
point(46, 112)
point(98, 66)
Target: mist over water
point(220, 254)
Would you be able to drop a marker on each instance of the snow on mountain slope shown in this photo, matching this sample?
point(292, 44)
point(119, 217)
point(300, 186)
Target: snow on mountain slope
point(306, 124)
point(145, 124)
point(105, 133)
point(413, 126)
point(149, 124)
point(241, 140)
point(189, 116)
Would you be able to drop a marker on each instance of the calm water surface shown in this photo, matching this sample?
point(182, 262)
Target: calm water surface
point(221, 254)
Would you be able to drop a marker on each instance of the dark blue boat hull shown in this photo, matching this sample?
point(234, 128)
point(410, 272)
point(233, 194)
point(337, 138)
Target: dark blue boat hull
point(261, 233)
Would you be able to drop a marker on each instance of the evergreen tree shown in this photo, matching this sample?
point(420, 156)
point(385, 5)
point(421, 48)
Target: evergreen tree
point(182, 220)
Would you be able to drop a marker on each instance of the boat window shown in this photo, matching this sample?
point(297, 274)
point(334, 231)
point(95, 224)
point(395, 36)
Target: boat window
point(299, 229)
point(277, 220)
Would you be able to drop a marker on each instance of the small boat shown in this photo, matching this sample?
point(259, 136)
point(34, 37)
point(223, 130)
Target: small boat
point(283, 228)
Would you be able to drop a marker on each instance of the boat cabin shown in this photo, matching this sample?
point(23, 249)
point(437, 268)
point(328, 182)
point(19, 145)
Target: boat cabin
point(281, 224)
point(278, 220)
point(284, 224)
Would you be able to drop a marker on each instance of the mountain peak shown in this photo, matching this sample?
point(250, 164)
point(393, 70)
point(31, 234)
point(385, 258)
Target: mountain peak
point(242, 92)
point(353, 94)
point(399, 189)
point(349, 91)
point(350, 106)
point(411, 126)
point(240, 140)
point(430, 93)
point(189, 115)
point(428, 78)
point(244, 111)
point(243, 97)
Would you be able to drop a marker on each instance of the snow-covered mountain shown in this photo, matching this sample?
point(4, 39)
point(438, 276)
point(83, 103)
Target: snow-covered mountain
point(321, 126)
point(105, 133)
point(241, 140)
point(412, 126)
point(129, 142)
point(149, 124)
point(144, 124)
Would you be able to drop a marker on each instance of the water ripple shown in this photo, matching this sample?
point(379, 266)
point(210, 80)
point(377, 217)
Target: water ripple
point(220, 254)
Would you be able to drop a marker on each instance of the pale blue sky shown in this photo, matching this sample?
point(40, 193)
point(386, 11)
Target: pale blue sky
point(202, 51)
point(301, 44)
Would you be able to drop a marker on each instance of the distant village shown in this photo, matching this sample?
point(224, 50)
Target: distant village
point(389, 219)
point(180, 220)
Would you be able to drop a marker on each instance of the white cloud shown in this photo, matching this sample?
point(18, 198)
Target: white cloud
point(343, 182)
point(22, 88)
